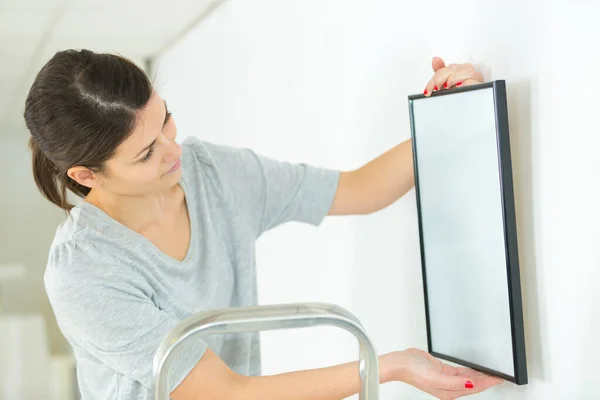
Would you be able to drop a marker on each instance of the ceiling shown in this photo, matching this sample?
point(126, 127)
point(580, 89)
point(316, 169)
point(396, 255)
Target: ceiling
point(32, 31)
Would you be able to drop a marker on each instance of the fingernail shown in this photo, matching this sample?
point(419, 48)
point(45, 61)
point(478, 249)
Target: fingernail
point(435, 88)
point(469, 385)
point(445, 85)
point(425, 91)
point(458, 84)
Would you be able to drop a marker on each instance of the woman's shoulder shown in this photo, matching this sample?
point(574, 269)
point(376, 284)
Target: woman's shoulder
point(195, 149)
point(83, 246)
point(205, 161)
point(211, 153)
point(196, 158)
point(71, 260)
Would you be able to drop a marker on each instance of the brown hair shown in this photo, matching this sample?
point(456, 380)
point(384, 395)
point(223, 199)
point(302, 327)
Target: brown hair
point(80, 108)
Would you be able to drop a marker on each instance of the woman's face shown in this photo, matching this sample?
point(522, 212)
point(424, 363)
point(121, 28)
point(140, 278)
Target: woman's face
point(148, 161)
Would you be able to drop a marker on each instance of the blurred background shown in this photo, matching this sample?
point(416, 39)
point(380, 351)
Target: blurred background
point(326, 82)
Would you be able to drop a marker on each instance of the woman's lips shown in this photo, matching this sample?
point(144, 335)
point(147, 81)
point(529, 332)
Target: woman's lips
point(175, 167)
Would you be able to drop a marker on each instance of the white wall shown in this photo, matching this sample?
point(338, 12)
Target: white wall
point(325, 82)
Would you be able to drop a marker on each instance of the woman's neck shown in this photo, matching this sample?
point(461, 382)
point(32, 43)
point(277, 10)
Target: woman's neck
point(139, 213)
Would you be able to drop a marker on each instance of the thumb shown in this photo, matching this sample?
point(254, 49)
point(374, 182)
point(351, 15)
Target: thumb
point(448, 382)
point(437, 63)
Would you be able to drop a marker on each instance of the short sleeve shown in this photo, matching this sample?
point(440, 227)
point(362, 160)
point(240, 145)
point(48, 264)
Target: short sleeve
point(268, 192)
point(113, 319)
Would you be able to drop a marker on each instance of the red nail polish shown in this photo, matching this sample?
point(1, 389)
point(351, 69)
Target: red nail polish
point(445, 85)
point(435, 88)
point(458, 84)
point(469, 385)
point(425, 91)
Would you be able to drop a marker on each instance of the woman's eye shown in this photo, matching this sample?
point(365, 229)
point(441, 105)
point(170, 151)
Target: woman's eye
point(147, 156)
point(151, 150)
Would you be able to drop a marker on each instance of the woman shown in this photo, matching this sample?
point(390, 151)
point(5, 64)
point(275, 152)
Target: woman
point(167, 230)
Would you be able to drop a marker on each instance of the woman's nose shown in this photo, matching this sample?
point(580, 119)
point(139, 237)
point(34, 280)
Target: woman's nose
point(173, 152)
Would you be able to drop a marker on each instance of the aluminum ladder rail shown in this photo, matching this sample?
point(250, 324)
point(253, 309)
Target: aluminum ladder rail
point(264, 318)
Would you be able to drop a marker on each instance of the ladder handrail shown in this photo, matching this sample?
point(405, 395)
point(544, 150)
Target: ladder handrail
point(263, 318)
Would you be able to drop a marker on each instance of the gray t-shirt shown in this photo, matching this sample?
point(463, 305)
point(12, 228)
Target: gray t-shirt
point(116, 296)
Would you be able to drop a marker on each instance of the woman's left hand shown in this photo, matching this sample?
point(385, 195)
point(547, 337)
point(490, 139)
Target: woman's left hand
point(453, 75)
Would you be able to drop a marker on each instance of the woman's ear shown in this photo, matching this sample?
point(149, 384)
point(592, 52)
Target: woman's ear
point(85, 177)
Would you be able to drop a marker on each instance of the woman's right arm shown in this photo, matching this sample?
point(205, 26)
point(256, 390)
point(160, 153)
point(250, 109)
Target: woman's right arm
point(212, 379)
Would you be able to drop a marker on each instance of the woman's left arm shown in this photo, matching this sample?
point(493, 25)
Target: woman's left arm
point(388, 177)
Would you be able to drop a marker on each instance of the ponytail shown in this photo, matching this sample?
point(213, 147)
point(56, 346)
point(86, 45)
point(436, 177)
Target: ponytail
point(50, 181)
point(45, 175)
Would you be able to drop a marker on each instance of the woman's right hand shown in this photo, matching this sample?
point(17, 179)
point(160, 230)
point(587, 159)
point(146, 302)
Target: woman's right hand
point(425, 372)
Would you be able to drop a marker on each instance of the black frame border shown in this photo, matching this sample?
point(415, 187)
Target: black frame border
point(510, 230)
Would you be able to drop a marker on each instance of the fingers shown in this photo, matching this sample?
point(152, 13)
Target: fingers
point(437, 63)
point(438, 79)
point(448, 382)
point(449, 370)
point(466, 75)
point(466, 379)
point(442, 367)
point(452, 75)
point(452, 394)
point(463, 371)
point(464, 382)
point(488, 381)
point(480, 378)
point(468, 82)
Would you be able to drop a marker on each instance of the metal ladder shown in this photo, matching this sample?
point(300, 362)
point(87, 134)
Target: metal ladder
point(265, 318)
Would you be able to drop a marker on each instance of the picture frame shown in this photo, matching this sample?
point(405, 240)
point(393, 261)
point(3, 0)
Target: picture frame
point(447, 247)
